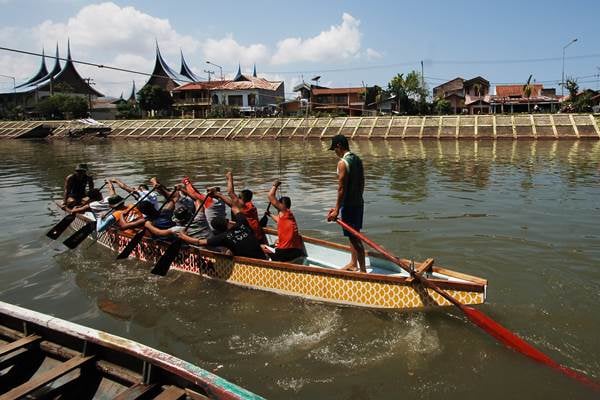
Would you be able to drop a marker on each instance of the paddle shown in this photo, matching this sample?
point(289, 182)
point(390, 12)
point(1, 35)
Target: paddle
point(64, 223)
point(138, 236)
point(264, 220)
point(502, 334)
point(164, 262)
point(79, 236)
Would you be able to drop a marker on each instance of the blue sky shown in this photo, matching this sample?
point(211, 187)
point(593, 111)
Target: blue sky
point(348, 43)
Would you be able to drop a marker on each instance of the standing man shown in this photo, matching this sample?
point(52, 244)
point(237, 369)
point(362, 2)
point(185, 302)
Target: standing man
point(75, 186)
point(349, 203)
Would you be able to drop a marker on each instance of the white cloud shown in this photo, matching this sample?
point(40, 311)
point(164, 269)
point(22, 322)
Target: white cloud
point(338, 43)
point(229, 51)
point(373, 54)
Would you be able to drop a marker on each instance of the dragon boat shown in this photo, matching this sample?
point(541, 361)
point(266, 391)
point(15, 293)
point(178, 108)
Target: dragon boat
point(318, 276)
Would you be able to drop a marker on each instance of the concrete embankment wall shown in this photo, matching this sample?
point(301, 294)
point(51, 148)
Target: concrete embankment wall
point(518, 126)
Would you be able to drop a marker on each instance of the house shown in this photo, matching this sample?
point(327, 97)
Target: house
point(249, 94)
point(512, 98)
point(349, 100)
point(194, 99)
point(472, 95)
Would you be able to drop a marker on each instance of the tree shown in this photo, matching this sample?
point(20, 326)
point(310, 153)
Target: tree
point(62, 106)
point(154, 98)
point(127, 110)
point(410, 93)
point(572, 87)
point(527, 90)
point(442, 106)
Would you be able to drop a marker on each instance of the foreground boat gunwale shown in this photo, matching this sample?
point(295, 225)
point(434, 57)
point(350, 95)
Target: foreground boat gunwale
point(212, 384)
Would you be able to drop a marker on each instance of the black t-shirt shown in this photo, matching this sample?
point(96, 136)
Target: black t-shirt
point(240, 240)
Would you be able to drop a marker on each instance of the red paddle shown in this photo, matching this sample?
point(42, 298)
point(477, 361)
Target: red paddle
point(502, 334)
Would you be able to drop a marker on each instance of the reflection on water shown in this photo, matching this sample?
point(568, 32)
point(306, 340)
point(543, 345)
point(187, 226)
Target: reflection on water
point(521, 214)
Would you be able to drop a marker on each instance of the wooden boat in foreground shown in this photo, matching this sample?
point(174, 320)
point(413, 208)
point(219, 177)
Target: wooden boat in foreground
point(46, 357)
point(318, 276)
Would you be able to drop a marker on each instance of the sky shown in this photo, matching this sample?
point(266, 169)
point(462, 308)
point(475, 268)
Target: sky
point(346, 43)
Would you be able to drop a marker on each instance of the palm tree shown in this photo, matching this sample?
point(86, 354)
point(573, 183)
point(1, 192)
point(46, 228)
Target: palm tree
point(527, 90)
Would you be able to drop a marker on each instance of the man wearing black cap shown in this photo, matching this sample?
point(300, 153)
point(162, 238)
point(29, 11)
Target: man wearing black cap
point(349, 203)
point(75, 185)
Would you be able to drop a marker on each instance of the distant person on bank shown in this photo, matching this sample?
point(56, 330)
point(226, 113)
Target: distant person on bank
point(349, 203)
point(75, 186)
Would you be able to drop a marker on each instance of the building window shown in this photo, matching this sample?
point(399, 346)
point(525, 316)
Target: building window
point(343, 99)
point(252, 100)
point(236, 101)
point(215, 99)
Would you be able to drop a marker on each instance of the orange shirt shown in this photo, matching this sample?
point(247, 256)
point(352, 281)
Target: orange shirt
point(287, 231)
point(131, 216)
point(251, 214)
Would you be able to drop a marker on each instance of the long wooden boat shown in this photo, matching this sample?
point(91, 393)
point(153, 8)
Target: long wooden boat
point(46, 357)
point(318, 276)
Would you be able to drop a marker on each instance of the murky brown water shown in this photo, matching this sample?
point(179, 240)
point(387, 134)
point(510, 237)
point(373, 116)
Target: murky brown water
point(524, 215)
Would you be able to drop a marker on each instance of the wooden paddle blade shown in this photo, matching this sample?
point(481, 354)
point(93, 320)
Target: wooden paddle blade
point(59, 228)
point(264, 220)
point(514, 342)
point(75, 239)
point(164, 262)
point(131, 245)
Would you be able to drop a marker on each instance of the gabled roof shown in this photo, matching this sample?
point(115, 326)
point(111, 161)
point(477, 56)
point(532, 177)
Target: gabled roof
point(200, 86)
point(42, 72)
point(187, 71)
point(453, 84)
point(162, 69)
point(477, 79)
point(132, 98)
point(244, 82)
point(517, 90)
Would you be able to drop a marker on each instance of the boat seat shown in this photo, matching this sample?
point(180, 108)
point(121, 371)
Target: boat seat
point(45, 378)
point(18, 344)
point(171, 393)
point(135, 392)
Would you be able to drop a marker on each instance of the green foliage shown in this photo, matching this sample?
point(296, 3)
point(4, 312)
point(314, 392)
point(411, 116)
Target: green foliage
point(442, 106)
point(62, 106)
point(62, 87)
point(128, 110)
point(223, 111)
point(155, 98)
point(583, 102)
point(572, 87)
point(410, 93)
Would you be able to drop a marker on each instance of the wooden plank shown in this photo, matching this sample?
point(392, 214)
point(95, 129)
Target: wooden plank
point(45, 378)
point(574, 125)
point(424, 266)
point(171, 393)
point(10, 347)
point(135, 392)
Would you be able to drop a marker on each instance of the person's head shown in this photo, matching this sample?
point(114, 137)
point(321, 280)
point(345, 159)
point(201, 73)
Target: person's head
point(287, 202)
point(143, 187)
point(339, 144)
point(115, 201)
point(219, 224)
point(81, 169)
point(95, 195)
point(246, 195)
point(182, 215)
point(148, 209)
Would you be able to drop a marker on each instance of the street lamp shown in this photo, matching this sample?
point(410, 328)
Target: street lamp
point(562, 92)
point(220, 68)
point(14, 86)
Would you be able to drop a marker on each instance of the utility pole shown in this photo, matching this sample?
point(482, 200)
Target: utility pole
point(209, 73)
point(422, 77)
point(562, 92)
point(90, 82)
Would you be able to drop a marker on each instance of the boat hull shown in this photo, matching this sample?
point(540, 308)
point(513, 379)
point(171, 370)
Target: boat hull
point(310, 282)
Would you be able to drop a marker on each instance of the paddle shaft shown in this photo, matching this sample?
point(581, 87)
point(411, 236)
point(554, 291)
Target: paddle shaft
point(480, 319)
point(265, 218)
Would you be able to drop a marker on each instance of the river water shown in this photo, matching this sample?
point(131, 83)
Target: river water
point(524, 215)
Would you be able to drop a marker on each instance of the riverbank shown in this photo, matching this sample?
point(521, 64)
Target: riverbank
point(467, 127)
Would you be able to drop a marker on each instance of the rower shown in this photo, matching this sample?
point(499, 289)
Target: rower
point(214, 207)
point(181, 217)
point(289, 244)
point(141, 191)
point(75, 186)
point(244, 204)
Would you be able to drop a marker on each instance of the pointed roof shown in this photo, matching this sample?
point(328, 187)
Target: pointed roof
point(254, 72)
point(187, 71)
point(42, 72)
point(132, 97)
point(163, 76)
point(71, 77)
point(31, 86)
point(239, 75)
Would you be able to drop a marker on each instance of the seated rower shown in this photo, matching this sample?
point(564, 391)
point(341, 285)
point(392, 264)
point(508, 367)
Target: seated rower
point(127, 217)
point(213, 207)
point(244, 204)
point(141, 191)
point(181, 217)
point(235, 235)
point(92, 196)
point(289, 242)
point(75, 186)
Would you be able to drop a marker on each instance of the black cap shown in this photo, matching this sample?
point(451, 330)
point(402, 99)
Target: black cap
point(339, 139)
point(81, 167)
point(114, 200)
